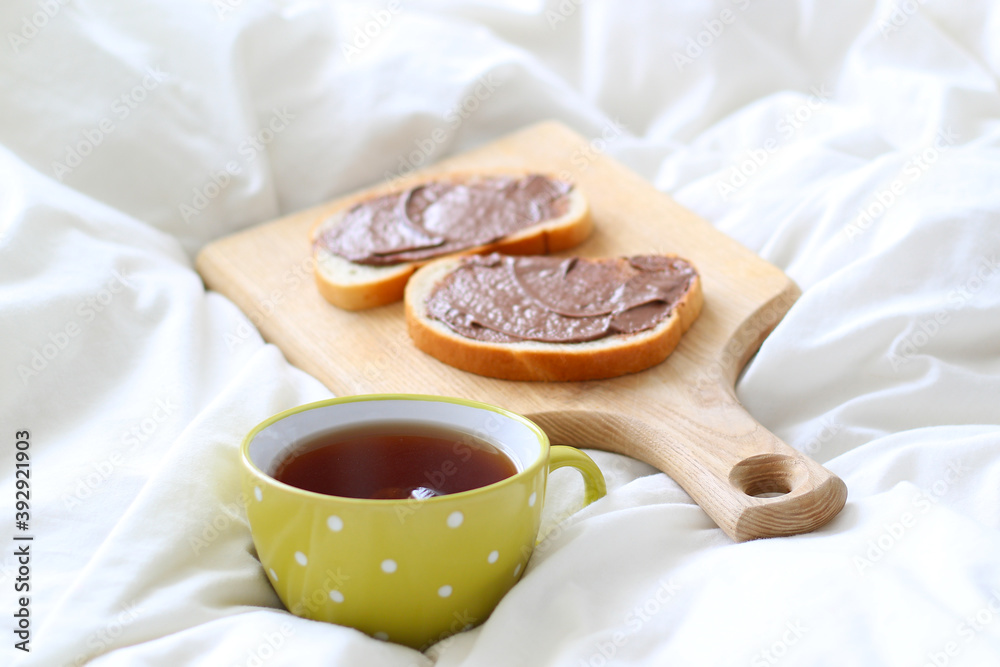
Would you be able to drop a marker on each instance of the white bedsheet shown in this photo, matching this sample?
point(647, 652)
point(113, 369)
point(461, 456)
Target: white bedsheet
point(853, 144)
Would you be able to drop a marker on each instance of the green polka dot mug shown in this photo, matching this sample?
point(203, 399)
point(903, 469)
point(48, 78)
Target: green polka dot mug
point(408, 571)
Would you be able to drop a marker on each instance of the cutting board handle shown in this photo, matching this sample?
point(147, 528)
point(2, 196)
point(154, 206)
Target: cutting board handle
point(747, 480)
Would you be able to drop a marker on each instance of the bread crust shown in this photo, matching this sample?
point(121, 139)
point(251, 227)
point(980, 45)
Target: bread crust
point(353, 286)
point(539, 361)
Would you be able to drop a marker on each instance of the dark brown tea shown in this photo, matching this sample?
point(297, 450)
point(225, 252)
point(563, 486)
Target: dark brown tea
point(401, 460)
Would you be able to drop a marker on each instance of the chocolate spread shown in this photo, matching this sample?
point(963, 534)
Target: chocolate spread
point(439, 217)
point(501, 299)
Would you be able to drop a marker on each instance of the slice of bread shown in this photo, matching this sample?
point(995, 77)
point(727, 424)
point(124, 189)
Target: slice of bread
point(353, 286)
point(607, 357)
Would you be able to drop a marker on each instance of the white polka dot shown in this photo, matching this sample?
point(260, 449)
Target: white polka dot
point(494, 555)
point(455, 519)
point(388, 566)
point(300, 558)
point(336, 596)
point(444, 591)
point(532, 498)
point(335, 523)
point(258, 494)
point(384, 636)
point(517, 570)
point(274, 575)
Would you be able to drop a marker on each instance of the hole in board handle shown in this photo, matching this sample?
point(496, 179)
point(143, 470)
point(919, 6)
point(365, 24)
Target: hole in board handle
point(767, 475)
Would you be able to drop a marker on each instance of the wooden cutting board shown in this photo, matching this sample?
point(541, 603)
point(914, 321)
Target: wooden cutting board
point(681, 416)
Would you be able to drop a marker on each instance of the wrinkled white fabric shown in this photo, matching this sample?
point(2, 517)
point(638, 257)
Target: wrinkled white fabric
point(856, 145)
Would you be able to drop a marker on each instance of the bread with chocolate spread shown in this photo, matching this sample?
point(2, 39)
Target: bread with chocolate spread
point(552, 318)
point(365, 254)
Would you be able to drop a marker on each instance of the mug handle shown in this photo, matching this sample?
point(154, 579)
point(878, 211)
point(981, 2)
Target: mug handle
point(593, 479)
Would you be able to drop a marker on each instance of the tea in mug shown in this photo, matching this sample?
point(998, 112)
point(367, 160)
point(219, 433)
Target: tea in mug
point(394, 461)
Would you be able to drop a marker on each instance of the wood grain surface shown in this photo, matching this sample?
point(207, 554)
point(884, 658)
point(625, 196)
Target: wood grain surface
point(681, 416)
